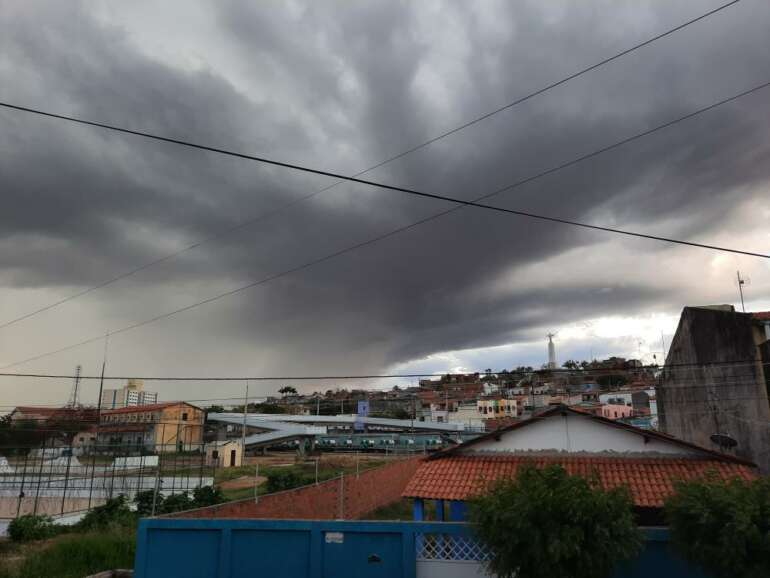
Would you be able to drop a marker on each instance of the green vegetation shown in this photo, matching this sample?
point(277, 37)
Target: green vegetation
point(30, 527)
point(103, 540)
point(723, 526)
point(285, 479)
point(280, 478)
point(546, 524)
point(201, 497)
point(115, 513)
point(73, 556)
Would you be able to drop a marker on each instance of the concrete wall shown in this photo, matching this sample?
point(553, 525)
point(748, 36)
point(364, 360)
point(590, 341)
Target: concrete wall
point(724, 391)
point(49, 505)
point(350, 497)
point(575, 433)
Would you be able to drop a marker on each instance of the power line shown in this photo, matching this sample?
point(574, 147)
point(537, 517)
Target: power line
point(457, 201)
point(389, 160)
point(480, 375)
point(460, 203)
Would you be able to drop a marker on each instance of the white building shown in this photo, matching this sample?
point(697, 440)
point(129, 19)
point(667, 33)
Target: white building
point(131, 395)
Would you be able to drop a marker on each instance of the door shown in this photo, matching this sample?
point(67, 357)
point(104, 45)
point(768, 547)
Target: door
point(362, 555)
point(232, 458)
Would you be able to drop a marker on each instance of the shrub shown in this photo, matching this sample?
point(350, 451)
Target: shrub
point(114, 513)
point(143, 502)
point(30, 527)
point(176, 503)
point(280, 480)
point(207, 496)
point(723, 526)
point(546, 523)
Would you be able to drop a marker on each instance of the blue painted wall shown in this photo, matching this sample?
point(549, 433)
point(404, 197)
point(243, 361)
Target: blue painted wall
point(189, 548)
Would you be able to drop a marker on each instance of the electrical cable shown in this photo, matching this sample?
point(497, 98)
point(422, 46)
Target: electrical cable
point(460, 203)
point(389, 160)
point(457, 201)
point(477, 375)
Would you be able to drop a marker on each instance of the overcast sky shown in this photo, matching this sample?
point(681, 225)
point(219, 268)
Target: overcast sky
point(342, 86)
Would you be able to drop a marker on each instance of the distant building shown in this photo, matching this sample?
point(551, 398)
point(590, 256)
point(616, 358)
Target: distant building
point(44, 416)
point(497, 408)
point(163, 427)
point(130, 395)
point(224, 454)
point(714, 390)
point(613, 411)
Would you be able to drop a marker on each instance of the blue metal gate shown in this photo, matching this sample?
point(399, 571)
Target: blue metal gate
point(235, 548)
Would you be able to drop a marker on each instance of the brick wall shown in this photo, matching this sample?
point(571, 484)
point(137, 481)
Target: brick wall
point(350, 497)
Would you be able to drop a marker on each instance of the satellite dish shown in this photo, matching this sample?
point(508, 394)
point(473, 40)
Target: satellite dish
point(723, 440)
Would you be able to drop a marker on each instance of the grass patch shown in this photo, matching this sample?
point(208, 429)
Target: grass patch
point(74, 555)
point(303, 473)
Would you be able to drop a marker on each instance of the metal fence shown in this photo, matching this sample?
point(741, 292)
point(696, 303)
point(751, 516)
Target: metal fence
point(63, 480)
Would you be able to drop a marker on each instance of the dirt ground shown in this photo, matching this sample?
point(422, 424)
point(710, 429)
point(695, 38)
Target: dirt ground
point(242, 482)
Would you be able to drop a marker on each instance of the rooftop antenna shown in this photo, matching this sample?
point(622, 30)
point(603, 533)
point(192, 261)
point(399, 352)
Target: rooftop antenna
point(74, 400)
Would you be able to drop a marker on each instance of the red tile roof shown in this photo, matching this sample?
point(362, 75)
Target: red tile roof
point(650, 480)
point(39, 410)
point(761, 315)
point(70, 413)
point(143, 408)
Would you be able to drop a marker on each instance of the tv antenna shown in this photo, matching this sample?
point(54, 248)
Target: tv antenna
point(741, 283)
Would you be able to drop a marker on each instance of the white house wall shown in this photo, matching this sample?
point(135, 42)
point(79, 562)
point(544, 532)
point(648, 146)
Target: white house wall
point(572, 433)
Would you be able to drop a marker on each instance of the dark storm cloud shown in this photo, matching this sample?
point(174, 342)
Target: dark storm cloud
point(342, 86)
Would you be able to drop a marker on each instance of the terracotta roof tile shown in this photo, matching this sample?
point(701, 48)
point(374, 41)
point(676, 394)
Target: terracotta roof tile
point(143, 408)
point(650, 480)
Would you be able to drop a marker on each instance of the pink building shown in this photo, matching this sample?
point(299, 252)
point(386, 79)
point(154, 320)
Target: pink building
point(616, 411)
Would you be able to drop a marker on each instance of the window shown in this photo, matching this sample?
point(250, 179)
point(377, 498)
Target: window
point(184, 416)
point(82, 440)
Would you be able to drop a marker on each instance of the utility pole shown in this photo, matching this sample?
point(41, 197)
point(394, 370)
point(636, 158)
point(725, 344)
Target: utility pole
point(99, 401)
point(741, 283)
point(243, 428)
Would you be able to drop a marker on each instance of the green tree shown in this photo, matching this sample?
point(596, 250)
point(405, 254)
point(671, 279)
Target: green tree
point(611, 381)
point(177, 503)
point(548, 524)
point(215, 409)
point(21, 436)
point(207, 496)
point(287, 390)
point(143, 502)
point(113, 513)
point(723, 526)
